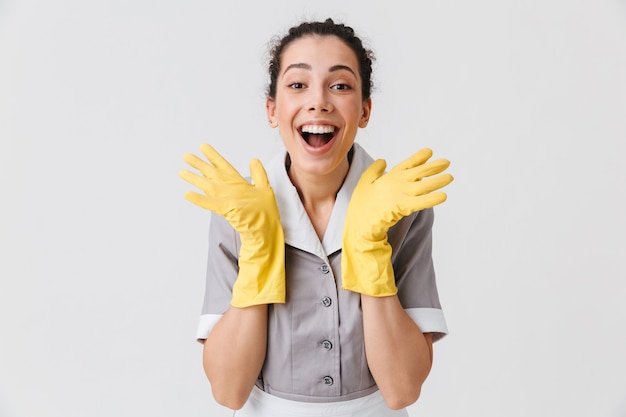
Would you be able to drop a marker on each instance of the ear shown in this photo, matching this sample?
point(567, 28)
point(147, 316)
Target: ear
point(367, 111)
point(270, 108)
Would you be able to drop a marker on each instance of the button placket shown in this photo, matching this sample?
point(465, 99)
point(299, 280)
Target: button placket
point(329, 359)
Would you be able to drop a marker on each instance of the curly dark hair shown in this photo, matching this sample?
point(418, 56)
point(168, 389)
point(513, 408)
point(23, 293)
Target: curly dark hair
point(326, 28)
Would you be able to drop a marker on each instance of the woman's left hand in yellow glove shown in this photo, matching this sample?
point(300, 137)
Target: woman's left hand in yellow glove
point(251, 210)
point(378, 202)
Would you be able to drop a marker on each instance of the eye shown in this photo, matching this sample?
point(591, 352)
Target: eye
point(296, 85)
point(341, 86)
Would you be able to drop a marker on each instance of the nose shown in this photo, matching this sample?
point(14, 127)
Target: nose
point(320, 101)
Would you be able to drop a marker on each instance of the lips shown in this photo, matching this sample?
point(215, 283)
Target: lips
point(316, 135)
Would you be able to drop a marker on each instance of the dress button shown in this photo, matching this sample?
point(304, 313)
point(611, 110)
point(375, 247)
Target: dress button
point(325, 269)
point(328, 380)
point(326, 301)
point(327, 344)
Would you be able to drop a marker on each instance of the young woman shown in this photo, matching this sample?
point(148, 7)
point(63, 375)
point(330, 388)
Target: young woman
point(320, 296)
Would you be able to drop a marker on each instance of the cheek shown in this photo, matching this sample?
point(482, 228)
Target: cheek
point(287, 134)
point(286, 112)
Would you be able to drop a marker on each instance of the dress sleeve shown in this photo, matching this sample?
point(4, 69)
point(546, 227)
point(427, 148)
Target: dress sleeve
point(221, 273)
point(411, 240)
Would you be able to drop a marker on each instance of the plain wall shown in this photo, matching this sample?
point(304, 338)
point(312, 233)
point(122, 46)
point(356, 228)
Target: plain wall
point(102, 260)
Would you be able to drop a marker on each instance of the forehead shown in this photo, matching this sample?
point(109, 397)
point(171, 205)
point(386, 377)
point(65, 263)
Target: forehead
point(322, 51)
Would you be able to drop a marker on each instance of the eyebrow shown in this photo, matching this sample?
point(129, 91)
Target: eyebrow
point(334, 68)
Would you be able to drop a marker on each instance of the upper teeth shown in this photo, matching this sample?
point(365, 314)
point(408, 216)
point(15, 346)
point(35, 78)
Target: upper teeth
point(318, 129)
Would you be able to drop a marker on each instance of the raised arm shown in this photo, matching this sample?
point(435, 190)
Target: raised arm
point(398, 353)
point(234, 350)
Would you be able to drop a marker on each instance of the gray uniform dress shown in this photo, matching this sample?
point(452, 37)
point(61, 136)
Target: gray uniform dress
point(315, 349)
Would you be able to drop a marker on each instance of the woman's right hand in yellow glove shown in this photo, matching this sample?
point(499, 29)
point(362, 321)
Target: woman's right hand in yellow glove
point(251, 210)
point(378, 202)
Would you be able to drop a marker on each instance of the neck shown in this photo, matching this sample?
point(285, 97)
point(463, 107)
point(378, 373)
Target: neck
point(318, 193)
point(314, 188)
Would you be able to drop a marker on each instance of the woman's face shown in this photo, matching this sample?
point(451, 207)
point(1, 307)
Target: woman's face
point(318, 105)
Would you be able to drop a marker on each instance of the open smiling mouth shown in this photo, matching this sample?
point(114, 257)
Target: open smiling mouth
point(317, 135)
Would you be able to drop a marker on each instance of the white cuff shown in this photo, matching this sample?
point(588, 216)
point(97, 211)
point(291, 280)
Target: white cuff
point(205, 325)
point(429, 320)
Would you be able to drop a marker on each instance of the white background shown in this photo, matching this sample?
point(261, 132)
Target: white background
point(102, 260)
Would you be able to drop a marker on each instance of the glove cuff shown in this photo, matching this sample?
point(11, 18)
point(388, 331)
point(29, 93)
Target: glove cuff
point(261, 278)
point(368, 270)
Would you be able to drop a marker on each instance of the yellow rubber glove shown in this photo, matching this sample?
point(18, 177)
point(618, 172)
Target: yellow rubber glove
point(378, 202)
point(252, 211)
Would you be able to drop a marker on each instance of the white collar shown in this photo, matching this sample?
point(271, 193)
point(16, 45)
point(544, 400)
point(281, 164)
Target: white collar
point(297, 226)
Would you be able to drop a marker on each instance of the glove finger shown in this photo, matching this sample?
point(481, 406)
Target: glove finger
point(429, 185)
point(199, 200)
point(426, 170)
point(429, 200)
point(408, 204)
point(210, 188)
point(194, 179)
point(218, 205)
point(199, 164)
point(374, 171)
point(218, 160)
point(258, 174)
point(418, 158)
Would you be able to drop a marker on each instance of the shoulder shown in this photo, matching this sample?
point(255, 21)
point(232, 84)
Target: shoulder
point(223, 238)
point(417, 225)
